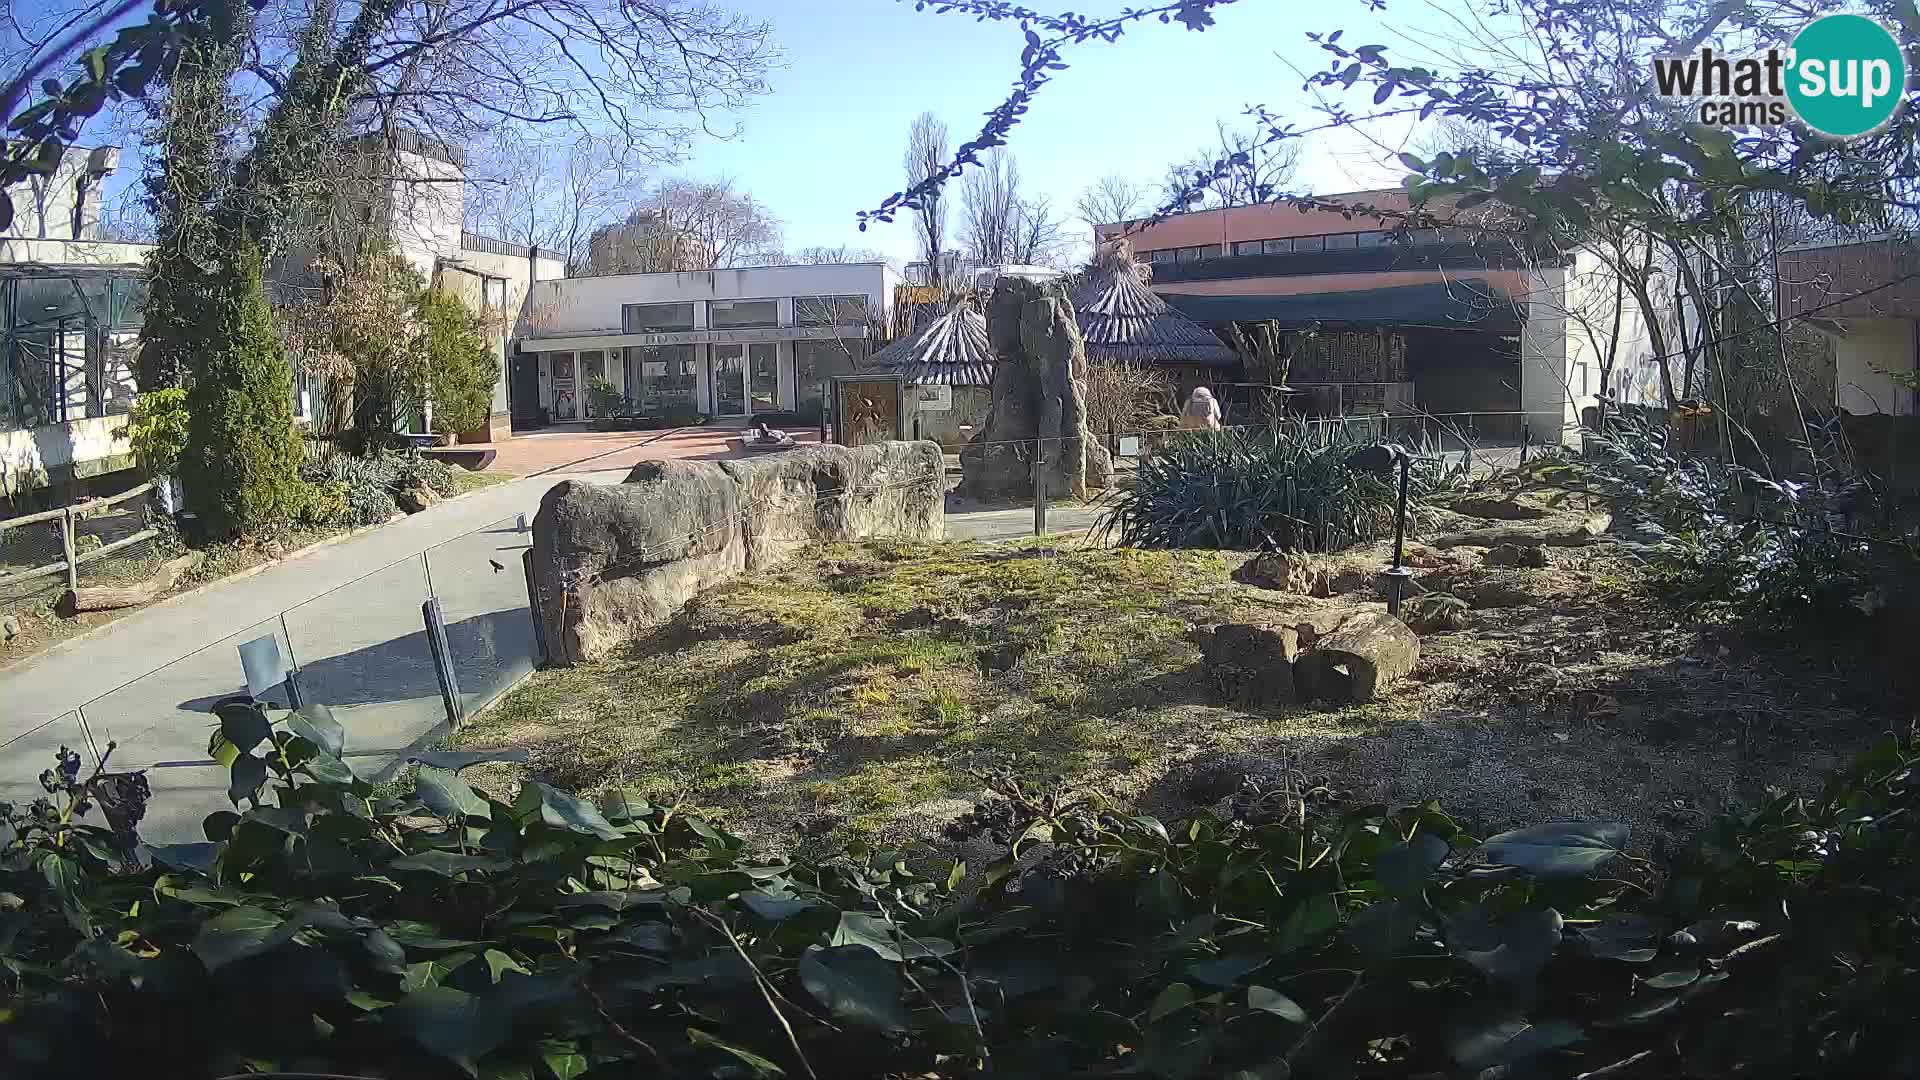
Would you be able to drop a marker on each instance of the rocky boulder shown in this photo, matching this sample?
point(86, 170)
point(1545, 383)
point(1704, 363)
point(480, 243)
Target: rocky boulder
point(1531, 557)
point(1251, 666)
point(1359, 660)
point(416, 497)
point(1286, 571)
point(612, 560)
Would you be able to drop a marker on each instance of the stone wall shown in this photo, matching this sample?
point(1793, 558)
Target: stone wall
point(613, 560)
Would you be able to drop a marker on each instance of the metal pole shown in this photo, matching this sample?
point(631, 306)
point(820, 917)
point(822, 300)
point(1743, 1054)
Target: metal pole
point(533, 608)
point(916, 425)
point(1039, 487)
point(1397, 574)
point(294, 698)
point(442, 661)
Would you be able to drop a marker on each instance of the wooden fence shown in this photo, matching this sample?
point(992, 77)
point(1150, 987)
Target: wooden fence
point(71, 560)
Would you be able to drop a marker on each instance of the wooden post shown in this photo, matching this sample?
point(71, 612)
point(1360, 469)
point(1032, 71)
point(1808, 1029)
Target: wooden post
point(67, 546)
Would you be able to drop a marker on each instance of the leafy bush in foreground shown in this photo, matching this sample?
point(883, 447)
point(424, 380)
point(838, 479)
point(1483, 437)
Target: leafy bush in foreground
point(323, 928)
point(1234, 489)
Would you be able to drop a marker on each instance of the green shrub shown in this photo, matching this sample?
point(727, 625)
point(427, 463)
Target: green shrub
point(604, 401)
point(461, 367)
point(325, 927)
point(411, 467)
point(682, 416)
point(1726, 538)
point(243, 455)
point(1236, 489)
point(157, 428)
point(366, 486)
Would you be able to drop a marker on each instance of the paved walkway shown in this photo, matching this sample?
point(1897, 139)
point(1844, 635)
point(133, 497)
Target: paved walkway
point(572, 448)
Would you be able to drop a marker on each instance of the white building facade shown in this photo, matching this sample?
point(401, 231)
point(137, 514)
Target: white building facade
point(721, 343)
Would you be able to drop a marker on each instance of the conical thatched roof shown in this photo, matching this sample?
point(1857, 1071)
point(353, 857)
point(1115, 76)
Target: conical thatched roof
point(952, 350)
point(1124, 321)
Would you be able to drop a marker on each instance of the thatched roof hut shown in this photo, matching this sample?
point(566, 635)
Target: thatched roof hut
point(1123, 321)
point(950, 350)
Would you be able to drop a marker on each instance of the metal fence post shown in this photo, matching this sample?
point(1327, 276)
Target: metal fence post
point(1039, 487)
point(67, 548)
point(533, 608)
point(443, 661)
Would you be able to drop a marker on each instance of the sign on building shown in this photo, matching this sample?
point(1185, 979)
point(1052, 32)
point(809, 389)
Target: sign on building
point(932, 398)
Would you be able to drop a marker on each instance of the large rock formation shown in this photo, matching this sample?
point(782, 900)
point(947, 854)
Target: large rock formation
point(612, 560)
point(1039, 393)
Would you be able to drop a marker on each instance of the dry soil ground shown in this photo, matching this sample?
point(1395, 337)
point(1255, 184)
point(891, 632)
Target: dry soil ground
point(861, 690)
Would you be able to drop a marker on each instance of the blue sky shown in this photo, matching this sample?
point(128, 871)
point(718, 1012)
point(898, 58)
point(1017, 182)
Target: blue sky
point(828, 140)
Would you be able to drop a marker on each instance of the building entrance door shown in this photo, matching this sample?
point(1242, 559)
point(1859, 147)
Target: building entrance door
point(763, 368)
point(729, 380)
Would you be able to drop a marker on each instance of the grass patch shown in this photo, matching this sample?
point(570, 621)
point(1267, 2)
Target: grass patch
point(464, 481)
point(848, 690)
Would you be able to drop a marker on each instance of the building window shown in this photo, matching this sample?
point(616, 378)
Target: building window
point(1276, 247)
point(1165, 256)
point(655, 318)
point(1370, 239)
point(1309, 243)
point(742, 314)
point(660, 377)
point(1247, 247)
point(1342, 241)
point(814, 362)
point(829, 310)
point(1196, 254)
point(493, 296)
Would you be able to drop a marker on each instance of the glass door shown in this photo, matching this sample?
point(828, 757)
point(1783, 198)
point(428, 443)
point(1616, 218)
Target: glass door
point(593, 369)
point(566, 397)
point(763, 364)
point(729, 380)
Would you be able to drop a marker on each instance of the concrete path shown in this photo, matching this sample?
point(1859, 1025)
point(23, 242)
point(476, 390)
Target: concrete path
point(349, 617)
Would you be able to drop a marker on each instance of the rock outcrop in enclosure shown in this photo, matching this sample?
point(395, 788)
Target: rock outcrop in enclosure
point(1333, 656)
point(1039, 393)
point(612, 560)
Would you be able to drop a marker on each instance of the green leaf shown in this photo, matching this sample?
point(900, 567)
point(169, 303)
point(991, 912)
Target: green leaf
point(1514, 949)
point(872, 931)
point(1039, 832)
point(1413, 162)
point(1175, 997)
point(1506, 1040)
point(613, 899)
point(198, 857)
point(1277, 1003)
point(243, 724)
point(563, 1059)
point(63, 876)
point(449, 863)
point(329, 770)
point(774, 909)
point(248, 774)
point(760, 1066)
point(855, 985)
point(1379, 932)
point(1675, 973)
point(430, 972)
point(315, 723)
point(384, 953)
point(568, 812)
point(956, 875)
point(499, 963)
point(1310, 923)
point(233, 935)
point(447, 795)
point(1632, 938)
point(1224, 971)
point(1565, 849)
point(451, 1023)
point(1403, 869)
